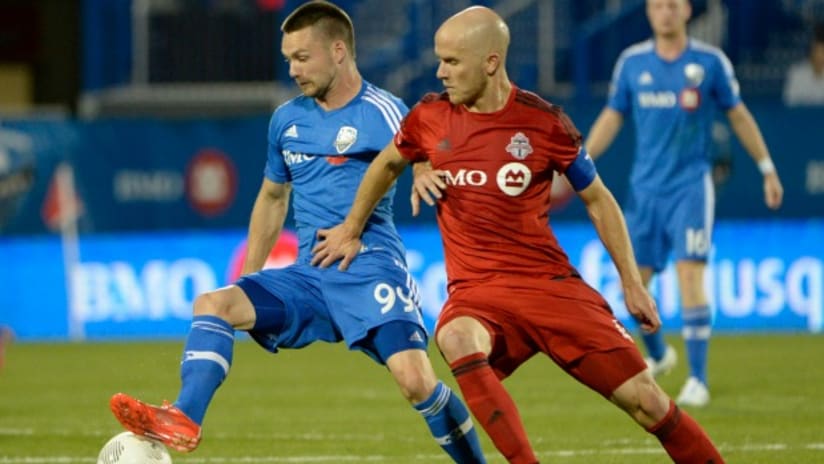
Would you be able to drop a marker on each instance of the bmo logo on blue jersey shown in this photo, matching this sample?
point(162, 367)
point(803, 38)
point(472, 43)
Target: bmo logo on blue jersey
point(512, 178)
point(292, 158)
point(665, 99)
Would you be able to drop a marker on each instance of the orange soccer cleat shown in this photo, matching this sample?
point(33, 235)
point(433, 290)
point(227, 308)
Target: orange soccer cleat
point(165, 423)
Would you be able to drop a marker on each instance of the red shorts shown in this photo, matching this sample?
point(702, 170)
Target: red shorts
point(566, 319)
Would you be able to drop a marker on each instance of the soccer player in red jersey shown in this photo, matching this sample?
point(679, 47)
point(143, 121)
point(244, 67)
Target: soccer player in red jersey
point(512, 290)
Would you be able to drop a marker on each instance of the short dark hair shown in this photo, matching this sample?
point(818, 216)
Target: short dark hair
point(329, 18)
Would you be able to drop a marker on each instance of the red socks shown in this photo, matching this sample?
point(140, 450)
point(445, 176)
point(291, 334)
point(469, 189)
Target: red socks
point(685, 440)
point(492, 406)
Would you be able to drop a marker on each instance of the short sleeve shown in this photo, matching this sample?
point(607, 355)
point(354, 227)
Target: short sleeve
point(725, 85)
point(565, 140)
point(620, 93)
point(276, 169)
point(408, 138)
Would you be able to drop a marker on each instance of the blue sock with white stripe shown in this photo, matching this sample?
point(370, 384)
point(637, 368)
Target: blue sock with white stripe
point(697, 328)
point(450, 424)
point(207, 357)
point(655, 343)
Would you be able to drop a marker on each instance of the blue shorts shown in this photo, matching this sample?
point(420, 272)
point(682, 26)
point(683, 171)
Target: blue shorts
point(329, 305)
point(679, 222)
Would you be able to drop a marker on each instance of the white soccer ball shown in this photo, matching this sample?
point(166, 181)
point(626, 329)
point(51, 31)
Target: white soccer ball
point(128, 448)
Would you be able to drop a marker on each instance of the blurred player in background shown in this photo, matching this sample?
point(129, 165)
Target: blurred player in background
point(671, 86)
point(320, 144)
point(512, 290)
point(804, 84)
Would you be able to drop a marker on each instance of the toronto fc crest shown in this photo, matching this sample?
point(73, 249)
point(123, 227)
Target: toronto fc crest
point(519, 146)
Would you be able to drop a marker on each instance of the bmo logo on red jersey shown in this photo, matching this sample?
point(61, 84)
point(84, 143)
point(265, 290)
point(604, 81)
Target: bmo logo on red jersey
point(464, 177)
point(512, 178)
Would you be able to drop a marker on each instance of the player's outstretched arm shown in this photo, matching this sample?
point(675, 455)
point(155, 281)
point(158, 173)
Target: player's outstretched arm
point(342, 242)
point(427, 185)
point(608, 219)
point(747, 131)
point(603, 132)
point(265, 224)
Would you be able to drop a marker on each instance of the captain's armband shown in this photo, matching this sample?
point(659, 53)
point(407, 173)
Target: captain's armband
point(582, 171)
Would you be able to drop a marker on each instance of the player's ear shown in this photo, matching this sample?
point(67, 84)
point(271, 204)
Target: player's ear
point(339, 51)
point(493, 63)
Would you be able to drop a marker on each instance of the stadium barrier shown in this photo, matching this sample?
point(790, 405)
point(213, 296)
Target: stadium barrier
point(764, 276)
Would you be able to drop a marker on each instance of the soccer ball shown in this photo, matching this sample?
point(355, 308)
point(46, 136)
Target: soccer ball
point(128, 448)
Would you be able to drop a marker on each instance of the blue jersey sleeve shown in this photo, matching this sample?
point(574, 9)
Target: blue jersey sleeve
point(391, 110)
point(275, 169)
point(620, 93)
point(725, 85)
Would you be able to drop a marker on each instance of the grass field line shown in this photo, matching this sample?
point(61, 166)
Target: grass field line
point(309, 436)
point(572, 453)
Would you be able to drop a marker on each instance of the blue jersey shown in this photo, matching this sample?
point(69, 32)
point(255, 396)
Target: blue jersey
point(324, 155)
point(673, 105)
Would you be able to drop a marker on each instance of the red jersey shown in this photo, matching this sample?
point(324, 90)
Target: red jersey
point(494, 216)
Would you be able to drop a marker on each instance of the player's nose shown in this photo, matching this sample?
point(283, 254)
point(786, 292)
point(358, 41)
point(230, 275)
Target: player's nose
point(293, 70)
point(440, 73)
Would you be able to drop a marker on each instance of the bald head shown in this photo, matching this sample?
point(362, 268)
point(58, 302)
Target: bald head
point(471, 47)
point(476, 28)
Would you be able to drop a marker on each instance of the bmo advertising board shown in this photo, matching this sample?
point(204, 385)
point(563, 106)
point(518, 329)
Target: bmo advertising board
point(122, 286)
point(764, 276)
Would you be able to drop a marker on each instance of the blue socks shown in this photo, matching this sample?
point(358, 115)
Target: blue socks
point(450, 424)
point(656, 346)
point(697, 326)
point(207, 357)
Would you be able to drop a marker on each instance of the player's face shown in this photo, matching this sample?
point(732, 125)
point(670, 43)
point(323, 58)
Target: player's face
point(460, 70)
point(310, 59)
point(668, 18)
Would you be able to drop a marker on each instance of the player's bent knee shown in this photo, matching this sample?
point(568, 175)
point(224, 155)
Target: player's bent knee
point(462, 337)
point(206, 305)
point(454, 344)
point(642, 399)
point(414, 374)
point(216, 303)
point(416, 388)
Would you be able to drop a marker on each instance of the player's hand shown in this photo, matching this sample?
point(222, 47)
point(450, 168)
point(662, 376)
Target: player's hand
point(773, 191)
point(427, 185)
point(337, 243)
point(642, 307)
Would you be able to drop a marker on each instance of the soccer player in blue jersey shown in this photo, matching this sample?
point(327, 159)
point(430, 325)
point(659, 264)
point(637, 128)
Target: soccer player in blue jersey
point(672, 86)
point(320, 145)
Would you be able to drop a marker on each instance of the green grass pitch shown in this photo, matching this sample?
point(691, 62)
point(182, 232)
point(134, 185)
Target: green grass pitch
point(324, 404)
